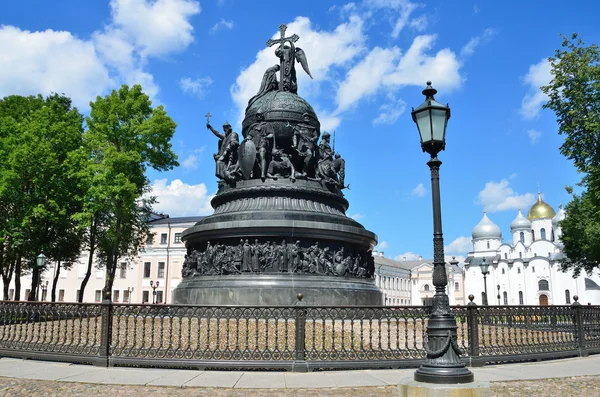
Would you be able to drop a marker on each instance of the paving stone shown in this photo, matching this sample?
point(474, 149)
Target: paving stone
point(215, 379)
point(261, 380)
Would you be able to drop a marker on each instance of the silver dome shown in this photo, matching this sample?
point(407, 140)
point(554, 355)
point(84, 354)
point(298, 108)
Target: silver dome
point(520, 222)
point(486, 229)
point(560, 215)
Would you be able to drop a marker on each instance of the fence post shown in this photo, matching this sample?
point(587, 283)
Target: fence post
point(578, 324)
point(299, 364)
point(106, 332)
point(473, 335)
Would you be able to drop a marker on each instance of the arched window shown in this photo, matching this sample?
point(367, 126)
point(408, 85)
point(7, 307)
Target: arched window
point(532, 235)
point(505, 255)
point(522, 237)
point(502, 270)
point(543, 285)
point(567, 297)
point(520, 297)
point(505, 295)
point(543, 233)
point(520, 255)
point(518, 270)
point(552, 234)
point(426, 287)
point(488, 245)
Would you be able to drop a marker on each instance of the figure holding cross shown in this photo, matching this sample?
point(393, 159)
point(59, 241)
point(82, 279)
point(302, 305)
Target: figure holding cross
point(287, 54)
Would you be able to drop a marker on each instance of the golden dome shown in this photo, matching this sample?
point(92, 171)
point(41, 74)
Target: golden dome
point(540, 210)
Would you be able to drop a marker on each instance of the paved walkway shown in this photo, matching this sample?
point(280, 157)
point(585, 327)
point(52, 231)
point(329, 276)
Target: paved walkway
point(63, 372)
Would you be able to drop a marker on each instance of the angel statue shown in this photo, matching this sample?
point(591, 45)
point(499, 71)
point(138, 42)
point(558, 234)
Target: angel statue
point(288, 54)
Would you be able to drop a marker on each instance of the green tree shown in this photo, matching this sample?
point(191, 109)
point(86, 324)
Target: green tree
point(573, 95)
point(36, 187)
point(125, 136)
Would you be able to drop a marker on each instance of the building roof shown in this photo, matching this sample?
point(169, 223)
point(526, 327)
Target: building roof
point(540, 210)
point(382, 260)
point(486, 229)
point(176, 219)
point(477, 260)
point(590, 285)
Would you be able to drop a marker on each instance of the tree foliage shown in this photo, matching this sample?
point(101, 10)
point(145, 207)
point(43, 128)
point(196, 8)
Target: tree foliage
point(125, 137)
point(574, 96)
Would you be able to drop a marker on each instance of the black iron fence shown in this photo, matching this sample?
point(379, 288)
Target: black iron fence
point(298, 338)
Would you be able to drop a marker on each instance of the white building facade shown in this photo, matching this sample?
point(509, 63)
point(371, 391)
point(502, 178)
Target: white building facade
point(526, 270)
point(393, 278)
point(160, 262)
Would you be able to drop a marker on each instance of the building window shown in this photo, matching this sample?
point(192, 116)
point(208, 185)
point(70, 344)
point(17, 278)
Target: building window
point(518, 270)
point(522, 237)
point(147, 266)
point(125, 296)
point(505, 296)
point(543, 234)
point(488, 245)
point(177, 238)
point(520, 297)
point(503, 271)
point(483, 299)
point(61, 295)
point(567, 297)
point(549, 255)
point(27, 291)
point(161, 270)
point(427, 301)
point(505, 255)
point(159, 297)
point(552, 234)
point(145, 295)
point(535, 254)
point(150, 239)
point(163, 238)
point(426, 287)
point(11, 294)
point(123, 270)
point(520, 255)
point(532, 269)
point(543, 285)
point(98, 295)
point(456, 286)
point(116, 296)
point(532, 235)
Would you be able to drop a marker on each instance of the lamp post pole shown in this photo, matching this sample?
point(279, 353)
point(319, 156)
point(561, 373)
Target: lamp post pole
point(498, 286)
point(485, 271)
point(443, 364)
point(129, 291)
point(154, 287)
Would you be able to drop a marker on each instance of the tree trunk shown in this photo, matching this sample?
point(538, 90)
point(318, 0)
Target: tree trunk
point(88, 272)
point(55, 281)
point(5, 287)
point(35, 280)
point(111, 263)
point(18, 277)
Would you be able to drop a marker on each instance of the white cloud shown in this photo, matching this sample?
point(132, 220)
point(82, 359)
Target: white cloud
point(390, 112)
point(419, 191)
point(382, 246)
point(470, 47)
point(402, 10)
point(534, 136)
point(195, 87)
point(180, 199)
point(460, 245)
point(408, 256)
point(56, 61)
point(358, 216)
point(538, 75)
point(190, 162)
point(498, 196)
point(50, 61)
point(222, 24)
point(156, 27)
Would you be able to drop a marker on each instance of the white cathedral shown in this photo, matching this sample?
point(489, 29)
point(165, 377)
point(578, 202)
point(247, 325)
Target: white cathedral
point(527, 270)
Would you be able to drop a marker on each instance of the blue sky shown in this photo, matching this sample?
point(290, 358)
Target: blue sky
point(370, 60)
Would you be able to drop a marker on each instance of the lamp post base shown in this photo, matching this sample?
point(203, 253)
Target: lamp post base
point(443, 364)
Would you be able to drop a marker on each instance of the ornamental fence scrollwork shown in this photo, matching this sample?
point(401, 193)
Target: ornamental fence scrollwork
point(295, 338)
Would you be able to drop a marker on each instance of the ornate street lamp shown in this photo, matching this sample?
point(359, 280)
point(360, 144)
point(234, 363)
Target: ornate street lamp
point(40, 261)
point(443, 364)
point(485, 270)
point(154, 287)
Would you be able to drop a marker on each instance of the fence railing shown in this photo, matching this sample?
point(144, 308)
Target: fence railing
point(297, 338)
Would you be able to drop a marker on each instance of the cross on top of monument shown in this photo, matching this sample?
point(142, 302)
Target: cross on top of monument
point(282, 39)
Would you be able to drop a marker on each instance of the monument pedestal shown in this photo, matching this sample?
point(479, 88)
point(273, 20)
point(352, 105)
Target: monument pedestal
point(411, 388)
